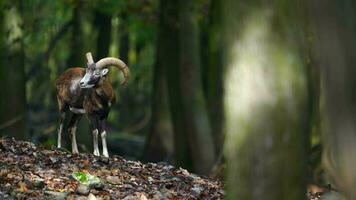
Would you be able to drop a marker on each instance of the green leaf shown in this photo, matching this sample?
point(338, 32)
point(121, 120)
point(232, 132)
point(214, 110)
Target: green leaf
point(86, 178)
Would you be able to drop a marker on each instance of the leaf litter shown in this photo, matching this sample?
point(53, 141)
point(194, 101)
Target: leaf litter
point(31, 172)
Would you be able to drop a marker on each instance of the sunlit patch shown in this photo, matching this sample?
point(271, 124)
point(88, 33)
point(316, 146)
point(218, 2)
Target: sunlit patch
point(262, 73)
point(247, 82)
point(13, 25)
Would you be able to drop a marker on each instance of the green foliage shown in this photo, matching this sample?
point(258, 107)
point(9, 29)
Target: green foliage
point(86, 178)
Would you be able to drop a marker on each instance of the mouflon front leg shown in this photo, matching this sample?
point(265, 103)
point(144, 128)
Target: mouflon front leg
point(94, 126)
point(103, 138)
point(95, 142)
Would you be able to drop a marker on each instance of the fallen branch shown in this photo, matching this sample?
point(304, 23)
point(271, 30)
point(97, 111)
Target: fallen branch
point(11, 121)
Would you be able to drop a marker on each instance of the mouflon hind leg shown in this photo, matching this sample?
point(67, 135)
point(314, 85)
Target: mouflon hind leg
point(62, 113)
point(103, 138)
point(60, 129)
point(72, 130)
point(95, 142)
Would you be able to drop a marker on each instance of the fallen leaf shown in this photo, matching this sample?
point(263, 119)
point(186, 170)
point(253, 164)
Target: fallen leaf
point(22, 187)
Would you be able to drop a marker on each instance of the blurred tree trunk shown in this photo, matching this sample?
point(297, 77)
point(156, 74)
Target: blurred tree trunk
point(13, 109)
point(102, 23)
point(159, 145)
point(123, 38)
point(335, 48)
point(266, 100)
point(214, 73)
point(77, 57)
point(126, 96)
point(168, 34)
point(196, 120)
point(316, 108)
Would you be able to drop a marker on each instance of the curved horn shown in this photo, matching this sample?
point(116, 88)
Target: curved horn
point(115, 62)
point(89, 58)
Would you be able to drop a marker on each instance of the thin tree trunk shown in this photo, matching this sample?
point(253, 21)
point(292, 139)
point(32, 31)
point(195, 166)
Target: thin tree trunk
point(215, 91)
point(159, 145)
point(169, 56)
point(194, 106)
point(13, 109)
point(123, 38)
point(76, 57)
point(126, 96)
point(335, 48)
point(266, 100)
point(103, 25)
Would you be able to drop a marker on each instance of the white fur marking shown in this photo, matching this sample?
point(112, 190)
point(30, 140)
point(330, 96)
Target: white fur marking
point(59, 140)
point(74, 140)
point(74, 85)
point(77, 110)
point(95, 141)
point(103, 140)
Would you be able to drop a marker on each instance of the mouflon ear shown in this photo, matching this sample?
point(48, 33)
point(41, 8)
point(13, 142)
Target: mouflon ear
point(104, 71)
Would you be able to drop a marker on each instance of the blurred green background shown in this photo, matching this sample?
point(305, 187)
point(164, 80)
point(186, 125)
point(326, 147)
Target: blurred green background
point(260, 93)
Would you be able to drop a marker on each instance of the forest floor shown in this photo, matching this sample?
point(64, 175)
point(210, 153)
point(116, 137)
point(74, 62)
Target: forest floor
point(31, 172)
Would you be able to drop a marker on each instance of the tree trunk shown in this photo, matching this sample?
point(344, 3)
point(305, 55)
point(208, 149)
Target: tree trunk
point(266, 100)
point(195, 115)
point(124, 38)
point(159, 145)
point(76, 57)
point(335, 46)
point(126, 106)
point(168, 33)
point(214, 85)
point(13, 109)
point(103, 24)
